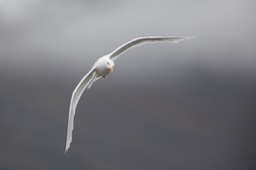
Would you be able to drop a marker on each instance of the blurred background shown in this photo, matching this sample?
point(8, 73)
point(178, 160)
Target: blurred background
point(166, 106)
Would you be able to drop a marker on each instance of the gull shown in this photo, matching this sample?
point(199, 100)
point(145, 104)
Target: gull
point(103, 66)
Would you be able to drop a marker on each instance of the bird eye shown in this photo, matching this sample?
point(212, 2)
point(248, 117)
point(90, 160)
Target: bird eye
point(108, 63)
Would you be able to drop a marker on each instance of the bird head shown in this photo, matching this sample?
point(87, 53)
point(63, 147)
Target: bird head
point(104, 66)
point(109, 65)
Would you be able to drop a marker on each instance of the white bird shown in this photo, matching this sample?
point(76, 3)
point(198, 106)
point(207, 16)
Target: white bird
point(102, 67)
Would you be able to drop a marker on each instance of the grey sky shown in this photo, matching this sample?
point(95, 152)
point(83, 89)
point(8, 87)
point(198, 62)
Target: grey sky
point(166, 106)
point(73, 34)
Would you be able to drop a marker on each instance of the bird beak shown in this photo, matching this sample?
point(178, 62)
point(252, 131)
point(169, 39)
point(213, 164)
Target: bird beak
point(110, 69)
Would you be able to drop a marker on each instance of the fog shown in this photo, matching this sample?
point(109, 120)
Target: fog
point(166, 106)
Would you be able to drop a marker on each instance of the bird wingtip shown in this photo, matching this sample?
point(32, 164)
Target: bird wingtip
point(66, 150)
point(67, 147)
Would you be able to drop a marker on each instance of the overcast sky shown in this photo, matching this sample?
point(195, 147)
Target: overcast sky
point(166, 106)
point(43, 36)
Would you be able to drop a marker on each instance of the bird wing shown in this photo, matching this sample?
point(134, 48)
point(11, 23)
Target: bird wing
point(95, 79)
point(83, 84)
point(144, 40)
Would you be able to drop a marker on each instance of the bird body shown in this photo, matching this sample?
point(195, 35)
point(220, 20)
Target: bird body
point(103, 67)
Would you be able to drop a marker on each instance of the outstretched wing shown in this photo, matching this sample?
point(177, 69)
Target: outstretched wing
point(94, 80)
point(144, 40)
point(83, 84)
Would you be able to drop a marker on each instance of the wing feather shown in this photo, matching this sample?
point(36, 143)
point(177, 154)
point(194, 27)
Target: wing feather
point(83, 84)
point(144, 40)
point(94, 80)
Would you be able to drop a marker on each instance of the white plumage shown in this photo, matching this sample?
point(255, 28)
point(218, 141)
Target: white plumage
point(102, 67)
